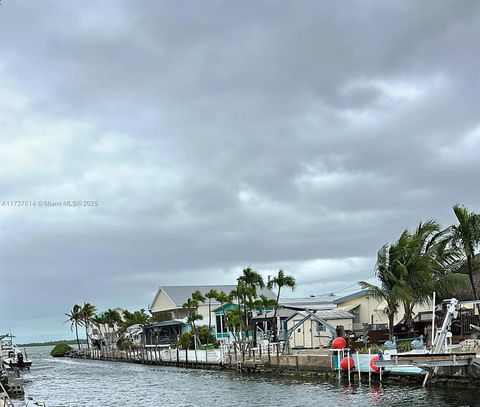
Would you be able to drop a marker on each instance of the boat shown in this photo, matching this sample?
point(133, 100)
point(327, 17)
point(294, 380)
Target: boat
point(11, 355)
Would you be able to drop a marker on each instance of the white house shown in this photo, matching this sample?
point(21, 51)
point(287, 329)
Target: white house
point(168, 302)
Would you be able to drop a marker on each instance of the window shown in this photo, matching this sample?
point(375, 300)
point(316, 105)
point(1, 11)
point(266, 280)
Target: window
point(221, 323)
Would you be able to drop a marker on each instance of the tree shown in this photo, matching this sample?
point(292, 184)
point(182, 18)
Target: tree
point(75, 317)
point(392, 288)
point(280, 280)
point(88, 313)
point(247, 285)
point(467, 235)
point(191, 305)
point(139, 317)
point(113, 319)
point(212, 294)
point(251, 278)
point(414, 266)
point(223, 298)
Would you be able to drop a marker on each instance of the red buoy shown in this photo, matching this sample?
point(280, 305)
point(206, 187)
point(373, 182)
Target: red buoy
point(347, 363)
point(374, 367)
point(339, 343)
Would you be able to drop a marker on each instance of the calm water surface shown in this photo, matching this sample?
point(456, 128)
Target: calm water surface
point(68, 382)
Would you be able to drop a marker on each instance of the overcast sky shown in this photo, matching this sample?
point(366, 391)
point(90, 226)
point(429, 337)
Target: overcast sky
point(216, 135)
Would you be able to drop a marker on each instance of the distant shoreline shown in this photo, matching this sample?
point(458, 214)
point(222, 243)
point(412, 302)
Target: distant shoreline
point(53, 343)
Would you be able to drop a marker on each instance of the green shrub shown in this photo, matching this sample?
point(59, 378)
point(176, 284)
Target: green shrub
point(185, 341)
point(404, 346)
point(374, 348)
point(60, 350)
point(124, 344)
point(205, 336)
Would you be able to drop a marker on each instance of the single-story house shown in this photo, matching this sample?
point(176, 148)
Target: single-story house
point(308, 331)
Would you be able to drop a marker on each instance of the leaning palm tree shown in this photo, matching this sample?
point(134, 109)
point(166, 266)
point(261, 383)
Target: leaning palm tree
point(113, 320)
point(280, 280)
point(88, 313)
point(467, 235)
point(75, 317)
point(392, 288)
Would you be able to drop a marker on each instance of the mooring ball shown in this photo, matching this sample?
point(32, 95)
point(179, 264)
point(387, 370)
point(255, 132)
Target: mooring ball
point(374, 367)
point(347, 363)
point(339, 343)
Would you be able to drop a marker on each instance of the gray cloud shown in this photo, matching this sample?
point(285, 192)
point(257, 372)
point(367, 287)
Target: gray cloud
point(221, 135)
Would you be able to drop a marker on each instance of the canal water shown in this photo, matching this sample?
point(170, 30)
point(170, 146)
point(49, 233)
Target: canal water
point(75, 382)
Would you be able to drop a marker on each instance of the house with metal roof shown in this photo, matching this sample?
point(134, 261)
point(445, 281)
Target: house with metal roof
point(365, 308)
point(370, 311)
point(168, 302)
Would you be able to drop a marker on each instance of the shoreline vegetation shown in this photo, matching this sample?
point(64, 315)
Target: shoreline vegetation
point(52, 343)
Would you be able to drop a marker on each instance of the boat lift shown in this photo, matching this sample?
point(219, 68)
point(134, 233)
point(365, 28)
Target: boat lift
point(439, 356)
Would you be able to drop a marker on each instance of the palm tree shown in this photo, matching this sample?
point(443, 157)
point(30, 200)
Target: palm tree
point(212, 294)
point(223, 298)
point(75, 317)
point(392, 288)
point(112, 319)
point(88, 313)
point(280, 280)
point(467, 235)
point(100, 321)
point(251, 278)
point(247, 285)
point(191, 306)
point(198, 296)
point(414, 266)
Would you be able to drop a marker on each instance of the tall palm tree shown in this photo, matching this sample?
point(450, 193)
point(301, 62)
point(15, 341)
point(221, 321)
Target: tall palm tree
point(467, 235)
point(247, 285)
point(223, 298)
point(210, 295)
point(88, 313)
point(251, 278)
point(191, 305)
point(280, 280)
point(75, 317)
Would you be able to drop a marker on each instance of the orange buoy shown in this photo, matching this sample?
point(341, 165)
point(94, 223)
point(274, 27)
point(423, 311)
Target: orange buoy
point(374, 367)
point(339, 343)
point(347, 363)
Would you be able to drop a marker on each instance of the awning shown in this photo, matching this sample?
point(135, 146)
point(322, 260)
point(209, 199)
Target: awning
point(351, 307)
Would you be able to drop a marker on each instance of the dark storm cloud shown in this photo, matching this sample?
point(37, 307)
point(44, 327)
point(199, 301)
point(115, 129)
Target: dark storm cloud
point(217, 135)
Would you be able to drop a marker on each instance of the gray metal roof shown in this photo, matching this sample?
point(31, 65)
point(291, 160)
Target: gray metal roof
point(180, 293)
point(282, 313)
point(336, 313)
point(358, 294)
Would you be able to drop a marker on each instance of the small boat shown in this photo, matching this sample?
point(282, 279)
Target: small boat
point(11, 355)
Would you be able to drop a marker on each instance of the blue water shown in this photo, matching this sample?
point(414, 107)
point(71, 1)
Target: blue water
point(75, 382)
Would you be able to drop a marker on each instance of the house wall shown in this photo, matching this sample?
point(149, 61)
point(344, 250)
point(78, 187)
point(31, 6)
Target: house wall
point(162, 303)
point(308, 334)
point(372, 311)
